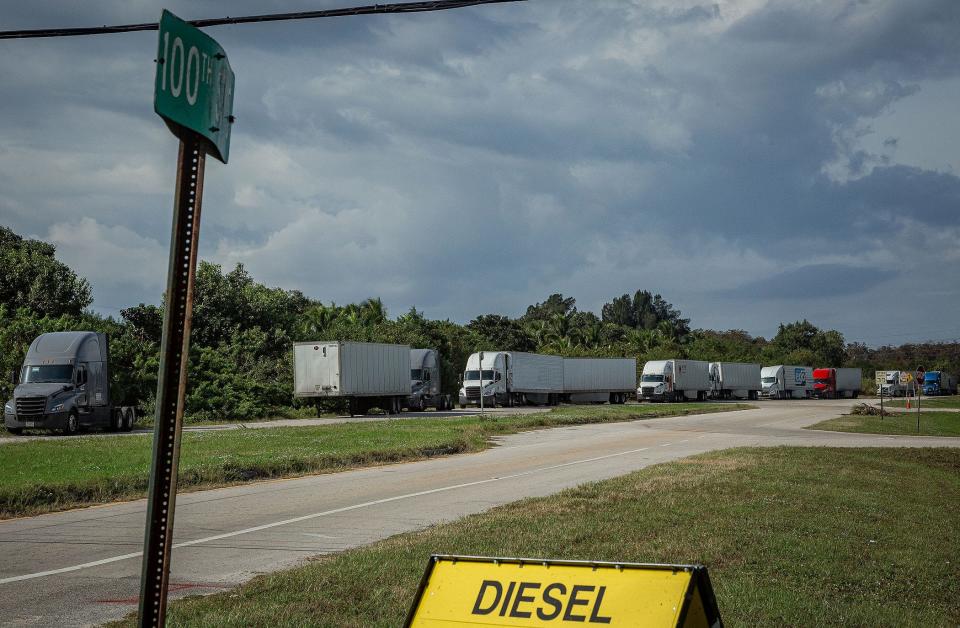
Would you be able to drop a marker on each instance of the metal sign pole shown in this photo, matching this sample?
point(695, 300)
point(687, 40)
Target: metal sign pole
point(481, 383)
point(171, 383)
point(919, 391)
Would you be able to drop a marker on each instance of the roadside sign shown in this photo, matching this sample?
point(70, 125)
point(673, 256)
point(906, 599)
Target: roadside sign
point(194, 84)
point(194, 95)
point(905, 378)
point(467, 590)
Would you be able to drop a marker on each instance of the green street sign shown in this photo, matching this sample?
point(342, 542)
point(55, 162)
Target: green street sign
point(194, 84)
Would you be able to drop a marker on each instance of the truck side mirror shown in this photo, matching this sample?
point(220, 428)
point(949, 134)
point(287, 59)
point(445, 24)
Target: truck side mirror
point(13, 377)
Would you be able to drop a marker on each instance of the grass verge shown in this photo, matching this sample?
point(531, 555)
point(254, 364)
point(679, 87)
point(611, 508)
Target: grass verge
point(931, 424)
point(47, 475)
point(927, 402)
point(792, 536)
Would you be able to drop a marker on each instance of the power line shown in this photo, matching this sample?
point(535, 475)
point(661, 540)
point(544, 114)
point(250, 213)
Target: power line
point(399, 7)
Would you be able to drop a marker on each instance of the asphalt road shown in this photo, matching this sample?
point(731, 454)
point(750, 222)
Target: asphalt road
point(82, 567)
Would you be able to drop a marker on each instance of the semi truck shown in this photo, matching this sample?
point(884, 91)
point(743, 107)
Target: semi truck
point(939, 383)
point(65, 385)
point(366, 374)
point(786, 381)
point(730, 380)
point(674, 380)
point(425, 390)
point(599, 380)
point(889, 384)
point(834, 383)
point(510, 378)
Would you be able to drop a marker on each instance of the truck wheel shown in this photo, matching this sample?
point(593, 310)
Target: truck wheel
point(73, 425)
point(16, 431)
point(128, 420)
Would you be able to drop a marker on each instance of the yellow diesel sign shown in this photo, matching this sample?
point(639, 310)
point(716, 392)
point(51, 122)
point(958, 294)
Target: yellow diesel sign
point(472, 591)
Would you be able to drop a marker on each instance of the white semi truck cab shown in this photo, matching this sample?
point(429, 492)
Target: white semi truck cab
point(511, 378)
point(484, 377)
point(674, 380)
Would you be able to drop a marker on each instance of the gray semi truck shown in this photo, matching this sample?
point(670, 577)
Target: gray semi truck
point(64, 385)
point(425, 389)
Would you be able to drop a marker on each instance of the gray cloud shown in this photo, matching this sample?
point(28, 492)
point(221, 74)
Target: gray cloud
point(813, 281)
point(478, 160)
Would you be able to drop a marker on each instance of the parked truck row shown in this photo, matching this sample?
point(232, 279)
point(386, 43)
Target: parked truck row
point(679, 380)
point(64, 383)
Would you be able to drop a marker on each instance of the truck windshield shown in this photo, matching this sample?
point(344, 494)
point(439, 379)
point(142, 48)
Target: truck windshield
point(49, 373)
point(651, 378)
point(472, 376)
point(416, 373)
point(768, 380)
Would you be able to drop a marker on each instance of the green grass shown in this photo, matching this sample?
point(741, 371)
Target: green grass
point(55, 474)
point(931, 424)
point(791, 537)
point(934, 402)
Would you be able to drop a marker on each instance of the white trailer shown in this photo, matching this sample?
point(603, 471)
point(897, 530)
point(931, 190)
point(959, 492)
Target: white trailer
point(786, 381)
point(367, 374)
point(596, 380)
point(674, 380)
point(511, 378)
point(734, 380)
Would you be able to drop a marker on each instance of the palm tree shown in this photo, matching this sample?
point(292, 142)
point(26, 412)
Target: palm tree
point(559, 326)
point(539, 331)
point(592, 334)
point(373, 311)
point(317, 319)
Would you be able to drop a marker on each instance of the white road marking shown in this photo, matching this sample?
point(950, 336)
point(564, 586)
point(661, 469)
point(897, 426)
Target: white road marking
point(326, 513)
point(666, 444)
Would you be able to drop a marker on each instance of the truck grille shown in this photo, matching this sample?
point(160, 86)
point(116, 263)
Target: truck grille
point(28, 407)
point(646, 391)
point(473, 392)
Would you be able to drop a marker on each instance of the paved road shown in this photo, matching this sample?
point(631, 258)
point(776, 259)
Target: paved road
point(82, 567)
point(257, 425)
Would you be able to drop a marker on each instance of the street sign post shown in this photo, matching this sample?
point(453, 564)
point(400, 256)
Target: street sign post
point(194, 96)
point(193, 90)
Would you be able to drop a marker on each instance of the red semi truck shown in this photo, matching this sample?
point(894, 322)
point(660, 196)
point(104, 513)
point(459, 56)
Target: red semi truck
point(830, 383)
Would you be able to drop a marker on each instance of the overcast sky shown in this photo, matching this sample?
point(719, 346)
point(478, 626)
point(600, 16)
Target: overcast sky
point(754, 162)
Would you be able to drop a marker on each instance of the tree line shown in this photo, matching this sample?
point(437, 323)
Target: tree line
point(241, 362)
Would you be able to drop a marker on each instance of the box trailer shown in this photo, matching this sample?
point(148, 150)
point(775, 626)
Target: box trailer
point(512, 378)
point(834, 383)
point(366, 374)
point(734, 380)
point(674, 380)
point(786, 381)
point(596, 380)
